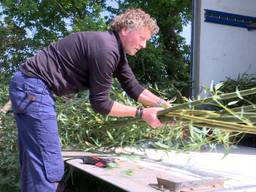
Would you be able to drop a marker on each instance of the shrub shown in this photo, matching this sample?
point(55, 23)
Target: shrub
point(243, 81)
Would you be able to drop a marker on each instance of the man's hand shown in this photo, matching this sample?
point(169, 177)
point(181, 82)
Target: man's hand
point(164, 104)
point(150, 116)
point(6, 108)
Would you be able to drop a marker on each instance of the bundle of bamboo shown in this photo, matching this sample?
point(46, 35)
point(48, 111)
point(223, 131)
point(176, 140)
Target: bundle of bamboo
point(240, 119)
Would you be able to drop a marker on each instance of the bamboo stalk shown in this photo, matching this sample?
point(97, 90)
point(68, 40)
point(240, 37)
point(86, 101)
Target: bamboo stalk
point(229, 125)
point(244, 108)
point(244, 120)
point(209, 99)
point(232, 119)
point(211, 114)
point(201, 119)
point(224, 128)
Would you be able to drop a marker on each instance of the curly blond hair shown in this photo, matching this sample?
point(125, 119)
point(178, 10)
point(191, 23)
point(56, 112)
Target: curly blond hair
point(134, 19)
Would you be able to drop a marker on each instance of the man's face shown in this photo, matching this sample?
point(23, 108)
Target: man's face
point(134, 39)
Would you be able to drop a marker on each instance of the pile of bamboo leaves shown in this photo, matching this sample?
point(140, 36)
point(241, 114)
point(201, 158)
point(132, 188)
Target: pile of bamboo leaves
point(237, 119)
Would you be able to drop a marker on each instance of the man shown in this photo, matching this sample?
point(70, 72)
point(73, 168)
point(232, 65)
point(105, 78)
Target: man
point(83, 60)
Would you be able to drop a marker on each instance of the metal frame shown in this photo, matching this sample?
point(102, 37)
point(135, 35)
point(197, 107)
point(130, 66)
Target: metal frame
point(195, 48)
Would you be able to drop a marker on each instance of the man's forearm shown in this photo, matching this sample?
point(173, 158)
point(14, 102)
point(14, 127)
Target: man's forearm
point(147, 98)
point(148, 114)
point(120, 110)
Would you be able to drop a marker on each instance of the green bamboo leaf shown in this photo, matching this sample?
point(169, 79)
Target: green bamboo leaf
point(216, 97)
point(128, 172)
point(172, 99)
point(112, 165)
point(161, 145)
point(218, 86)
point(238, 94)
point(185, 99)
point(110, 136)
point(212, 86)
point(232, 103)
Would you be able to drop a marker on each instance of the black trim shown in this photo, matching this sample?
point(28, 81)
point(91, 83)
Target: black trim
point(231, 19)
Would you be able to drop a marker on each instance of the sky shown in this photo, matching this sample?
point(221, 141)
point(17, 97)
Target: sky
point(1, 17)
point(186, 33)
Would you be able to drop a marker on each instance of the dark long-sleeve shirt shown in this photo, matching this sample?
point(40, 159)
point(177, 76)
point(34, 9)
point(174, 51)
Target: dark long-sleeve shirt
point(85, 60)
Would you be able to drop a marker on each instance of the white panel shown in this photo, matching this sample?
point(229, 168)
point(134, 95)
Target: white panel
point(226, 51)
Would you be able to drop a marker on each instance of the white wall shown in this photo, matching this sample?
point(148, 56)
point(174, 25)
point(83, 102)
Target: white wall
point(226, 51)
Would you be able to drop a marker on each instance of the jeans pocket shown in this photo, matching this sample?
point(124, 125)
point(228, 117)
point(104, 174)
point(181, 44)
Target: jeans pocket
point(54, 165)
point(23, 102)
point(48, 140)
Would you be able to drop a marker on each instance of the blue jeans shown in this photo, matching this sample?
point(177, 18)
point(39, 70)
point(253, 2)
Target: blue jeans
point(41, 164)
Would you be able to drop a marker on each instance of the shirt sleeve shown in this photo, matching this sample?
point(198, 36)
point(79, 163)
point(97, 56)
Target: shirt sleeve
point(128, 81)
point(100, 77)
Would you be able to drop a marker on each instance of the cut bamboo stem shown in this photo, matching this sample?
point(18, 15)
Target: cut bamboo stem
point(209, 99)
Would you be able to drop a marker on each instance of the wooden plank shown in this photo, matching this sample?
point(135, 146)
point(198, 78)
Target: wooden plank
point(202, 185)
point(178, 178)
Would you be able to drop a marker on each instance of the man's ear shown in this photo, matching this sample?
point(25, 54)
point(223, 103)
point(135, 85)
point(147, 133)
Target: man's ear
point(124, 31)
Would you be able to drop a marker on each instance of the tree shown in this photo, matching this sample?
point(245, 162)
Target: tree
point(29, 25)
